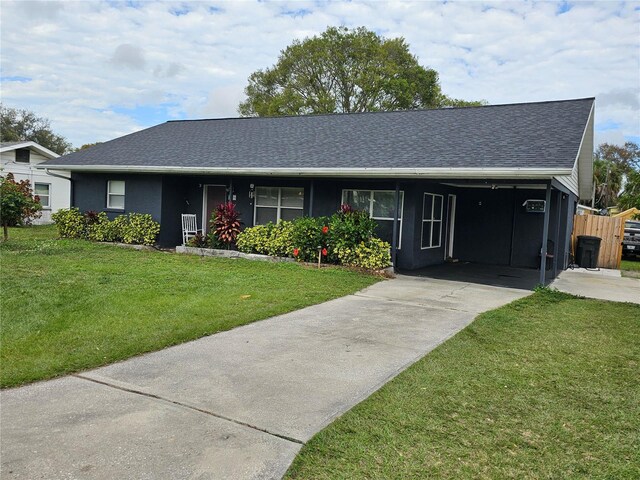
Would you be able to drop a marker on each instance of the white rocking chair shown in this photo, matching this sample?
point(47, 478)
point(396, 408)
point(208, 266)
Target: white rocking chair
point(189, 227)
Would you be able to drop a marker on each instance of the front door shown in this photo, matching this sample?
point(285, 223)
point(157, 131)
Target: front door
point(214, 195)
point(450, 228)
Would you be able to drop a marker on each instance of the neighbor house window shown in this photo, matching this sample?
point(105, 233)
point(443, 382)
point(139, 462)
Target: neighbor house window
point(278, 203)
point(115, 194)
point(381, 205)
point(431, 220)
point(23, 155)
point(43, 190)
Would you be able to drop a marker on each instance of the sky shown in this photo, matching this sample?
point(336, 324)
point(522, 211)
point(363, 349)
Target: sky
point(102, 69)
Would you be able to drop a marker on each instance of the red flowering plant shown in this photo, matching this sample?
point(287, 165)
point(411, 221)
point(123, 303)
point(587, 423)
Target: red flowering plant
point(18, 204)
point(308, 237)
point(226, 223)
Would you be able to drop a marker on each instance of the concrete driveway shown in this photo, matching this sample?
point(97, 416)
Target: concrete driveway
point(238, 404)
point(602, 284)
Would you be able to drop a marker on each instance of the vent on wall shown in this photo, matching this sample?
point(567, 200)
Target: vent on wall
point(23, 155)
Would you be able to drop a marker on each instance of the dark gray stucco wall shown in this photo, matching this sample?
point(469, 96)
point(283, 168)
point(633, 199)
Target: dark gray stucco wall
point(143, 193)
point(416, 256)
point(174, 203)
point(483, 228)
point(491, 226)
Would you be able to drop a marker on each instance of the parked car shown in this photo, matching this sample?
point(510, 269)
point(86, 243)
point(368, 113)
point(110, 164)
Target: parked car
point(631, 240)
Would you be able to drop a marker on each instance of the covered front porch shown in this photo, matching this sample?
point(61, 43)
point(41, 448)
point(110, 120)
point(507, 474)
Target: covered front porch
point(480, 274)
point(506, 223)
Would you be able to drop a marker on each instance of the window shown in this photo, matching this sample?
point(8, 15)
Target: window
point(115, 194)
point(381, 205)
point(23, 155)
point(278, 203)
point(431, 220)
point(43, 190)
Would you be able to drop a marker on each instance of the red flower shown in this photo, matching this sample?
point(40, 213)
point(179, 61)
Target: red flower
point(295, 252)
point(324, 251)
point(325, 230)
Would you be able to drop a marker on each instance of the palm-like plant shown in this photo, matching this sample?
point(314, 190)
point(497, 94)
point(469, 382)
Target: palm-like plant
point(608, 177)
point(226, 223)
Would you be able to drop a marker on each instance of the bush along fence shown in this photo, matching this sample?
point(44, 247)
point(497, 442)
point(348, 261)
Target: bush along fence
point(345, 238)
point(134, 228)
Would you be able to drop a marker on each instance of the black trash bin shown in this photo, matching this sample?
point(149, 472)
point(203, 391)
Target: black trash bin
point(587, 251)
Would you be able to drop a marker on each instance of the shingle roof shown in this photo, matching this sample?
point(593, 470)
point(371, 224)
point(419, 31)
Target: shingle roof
point(526, 135)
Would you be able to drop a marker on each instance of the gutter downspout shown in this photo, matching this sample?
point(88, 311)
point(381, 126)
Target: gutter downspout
point(72, 190)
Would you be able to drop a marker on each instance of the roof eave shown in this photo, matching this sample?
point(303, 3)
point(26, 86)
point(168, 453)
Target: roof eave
point(446, 172)
point(31, 144)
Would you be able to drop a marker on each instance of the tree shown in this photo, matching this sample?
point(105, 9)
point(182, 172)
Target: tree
point(630, 197)
point(17, 125)
point(615, 173)
point(343, 71)
point(18, 205)
point(87, 145)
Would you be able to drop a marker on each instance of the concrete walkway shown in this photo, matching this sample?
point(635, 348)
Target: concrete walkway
point(238, 404)
point(602, 284)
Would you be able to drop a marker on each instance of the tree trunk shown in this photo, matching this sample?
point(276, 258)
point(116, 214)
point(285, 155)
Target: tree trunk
point(6, 232)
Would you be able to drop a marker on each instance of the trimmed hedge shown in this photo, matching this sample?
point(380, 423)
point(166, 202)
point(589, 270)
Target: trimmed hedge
point(134, 228)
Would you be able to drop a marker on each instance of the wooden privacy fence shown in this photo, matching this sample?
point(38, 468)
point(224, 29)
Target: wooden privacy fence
point(609, 229)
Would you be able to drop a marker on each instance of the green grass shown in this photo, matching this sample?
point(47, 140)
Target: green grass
point(630, 268)
point(69, 305)
point(546, 387)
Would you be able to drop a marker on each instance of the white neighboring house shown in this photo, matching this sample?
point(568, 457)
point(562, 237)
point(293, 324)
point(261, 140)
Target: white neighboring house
point(21, 158)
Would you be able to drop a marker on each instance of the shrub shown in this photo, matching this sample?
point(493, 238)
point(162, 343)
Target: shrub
point(347, 238)
point(135, 228)
point(101, 229)
point(213, 241)
point(275, 240)
point(70, 223)
point(198, 241)
point(18, 205)
point(307, 237)
point(349, 228)
point(254, 239)
point(374, 254)
point(280, 241)
point(138, 229)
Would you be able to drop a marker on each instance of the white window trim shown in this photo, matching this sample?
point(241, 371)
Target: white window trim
point(278, 207)
point(48, 207)
point(343, 201)
point(431, 221)
point(109, 195)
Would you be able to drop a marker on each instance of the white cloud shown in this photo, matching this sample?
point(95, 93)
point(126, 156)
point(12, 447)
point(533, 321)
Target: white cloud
point(127, 55)
point(103, 69)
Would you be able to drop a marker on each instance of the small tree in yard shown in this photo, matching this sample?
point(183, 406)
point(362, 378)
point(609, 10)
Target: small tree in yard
point(226, 223)
point(18, 205)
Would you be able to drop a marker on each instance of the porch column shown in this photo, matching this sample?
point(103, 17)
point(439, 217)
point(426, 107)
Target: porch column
point(394, 239)
point(545, 236)
point(556, 254)
point(311, 199)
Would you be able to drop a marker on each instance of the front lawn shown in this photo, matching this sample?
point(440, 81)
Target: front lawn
point(69, 305)
point(546, 387)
